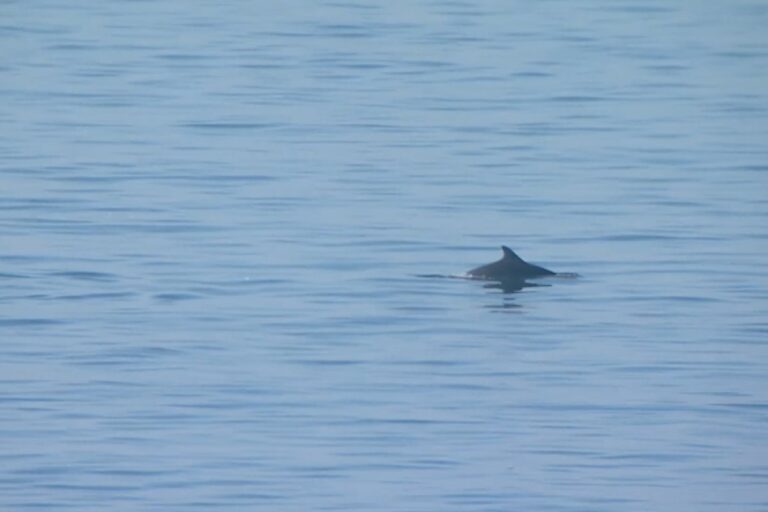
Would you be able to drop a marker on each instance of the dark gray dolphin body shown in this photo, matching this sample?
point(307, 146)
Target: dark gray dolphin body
point(509, 269)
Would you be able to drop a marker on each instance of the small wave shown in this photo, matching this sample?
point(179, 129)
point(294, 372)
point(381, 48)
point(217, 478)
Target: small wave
point(92, 296)
point(85, 275)
point(175, 297)
point(28, 322)
point(12, 276)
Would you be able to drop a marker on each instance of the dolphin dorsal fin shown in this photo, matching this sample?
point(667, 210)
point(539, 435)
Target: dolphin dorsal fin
point(509, 254)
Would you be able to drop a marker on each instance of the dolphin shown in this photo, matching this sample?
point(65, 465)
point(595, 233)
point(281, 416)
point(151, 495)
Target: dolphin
point(509, 269)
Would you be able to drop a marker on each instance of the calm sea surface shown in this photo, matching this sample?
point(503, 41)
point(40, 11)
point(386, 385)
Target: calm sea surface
point(213, 218)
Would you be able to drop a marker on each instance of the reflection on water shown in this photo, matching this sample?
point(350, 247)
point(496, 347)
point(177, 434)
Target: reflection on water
point(507, 285)
point(512, 285)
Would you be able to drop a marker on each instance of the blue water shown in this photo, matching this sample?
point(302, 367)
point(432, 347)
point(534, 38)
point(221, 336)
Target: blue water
point(213, 217)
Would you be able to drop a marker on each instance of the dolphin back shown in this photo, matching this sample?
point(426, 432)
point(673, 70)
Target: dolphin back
point(509, 267)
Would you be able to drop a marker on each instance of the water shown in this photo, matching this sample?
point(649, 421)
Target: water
point(213, 216)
